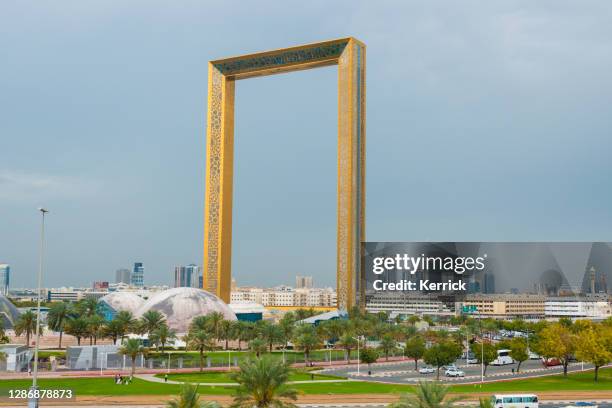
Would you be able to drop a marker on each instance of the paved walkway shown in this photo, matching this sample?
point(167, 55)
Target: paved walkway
point(153, 378)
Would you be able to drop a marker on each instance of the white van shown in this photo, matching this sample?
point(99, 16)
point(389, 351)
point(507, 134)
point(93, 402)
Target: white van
point(515, 401)
point(503, 358)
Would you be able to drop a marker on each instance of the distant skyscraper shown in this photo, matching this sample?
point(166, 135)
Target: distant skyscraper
point(187, 276)
point(138, 275)
point(303, 282)
point(123, 275)
point(5, 278)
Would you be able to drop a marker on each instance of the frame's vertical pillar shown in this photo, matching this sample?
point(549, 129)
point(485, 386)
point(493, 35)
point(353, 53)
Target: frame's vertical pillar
point(219, 175)
point(351, 175)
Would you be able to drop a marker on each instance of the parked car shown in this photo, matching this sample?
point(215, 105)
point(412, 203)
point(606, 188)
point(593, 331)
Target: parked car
point(426, 370)
point(454, 373)
point(450, 367)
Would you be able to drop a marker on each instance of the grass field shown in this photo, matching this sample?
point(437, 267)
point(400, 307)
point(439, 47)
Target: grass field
point(224, 377)
point(106, 386)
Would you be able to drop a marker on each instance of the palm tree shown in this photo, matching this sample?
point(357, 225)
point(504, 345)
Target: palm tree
point(151, 320)
point(162, 336)
point(348, 343)
point(77, 327)
point(307, 340)
point(3, 337)
point(427, 395)
point(269, 332)
point(214, 320)
point(199, 323)
point(57, 317)
point(262, 382)
point(114, 329)
point(127, 321)
point(387, 344)
point(258, 346)
point(245, 331)
point(287, 325)
point(189, 398)
point(132, 348)
point(87, 306)
point(26, 324)
point(227, 332)
point(200, 340)
point(95, 326)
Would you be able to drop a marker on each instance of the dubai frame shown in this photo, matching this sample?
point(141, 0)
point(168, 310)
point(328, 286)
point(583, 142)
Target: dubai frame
point(349, 55)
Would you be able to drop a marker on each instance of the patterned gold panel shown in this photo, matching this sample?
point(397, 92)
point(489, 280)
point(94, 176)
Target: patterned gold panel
point(349, 55)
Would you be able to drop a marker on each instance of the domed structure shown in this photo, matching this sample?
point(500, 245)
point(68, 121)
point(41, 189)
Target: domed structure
point(8, 313)
point(116, 302)
point(181, 305)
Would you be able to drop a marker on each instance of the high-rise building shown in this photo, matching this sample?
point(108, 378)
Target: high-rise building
point(187, 276)
point(489, 283)
point(138, 274)
point(303, 282)
point(123, 275)
point(5, 278)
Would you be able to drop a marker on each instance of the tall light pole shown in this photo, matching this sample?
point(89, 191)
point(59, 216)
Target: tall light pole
point(358, 358)
point(33, 401)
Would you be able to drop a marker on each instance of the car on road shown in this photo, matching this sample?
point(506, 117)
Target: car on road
point(472, 361)
point(426, 370)
point(454, 373)
point(450, 367)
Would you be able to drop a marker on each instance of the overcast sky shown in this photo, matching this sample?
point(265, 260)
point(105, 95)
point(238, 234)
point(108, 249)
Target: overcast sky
point(485, 121)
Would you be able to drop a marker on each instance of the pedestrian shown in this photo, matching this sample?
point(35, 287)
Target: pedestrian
point(166, 378)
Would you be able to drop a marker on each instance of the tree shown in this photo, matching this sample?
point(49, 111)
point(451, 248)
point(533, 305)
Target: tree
point(59, 313)
point(306, 340)
point(258, 346)
point(95, 328)
point(114, 329)
point(214, 320)
point(415, 349)
point(387, 344)
point(189, 398)
point(201, 341)
point(77, 327)
point(442, 354)
point(26, 324)
point(594, 347)
point(519, 351)
point(485, 353)
point(348, 343)
point(86, 307)
point(368, 356)
point(132, 348)
point(287, 325)
point(557, 341)
point(427, 395)
point(3, 337)
point(227, 332)
point(244, 332)
point(127, 321)
point(269, 332)
point(262, 383)
point(162, 335)
point(151, 320)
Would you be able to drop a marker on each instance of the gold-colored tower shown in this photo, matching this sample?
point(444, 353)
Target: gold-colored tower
point(349, 55)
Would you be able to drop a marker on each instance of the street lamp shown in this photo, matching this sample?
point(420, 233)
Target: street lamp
point(33, 400)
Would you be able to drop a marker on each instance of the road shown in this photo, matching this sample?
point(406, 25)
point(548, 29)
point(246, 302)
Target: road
point(403, 372)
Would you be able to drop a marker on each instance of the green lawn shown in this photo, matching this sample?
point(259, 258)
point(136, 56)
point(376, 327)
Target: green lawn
point(224, 377)
point(222, 357)
point(574, 382)
point(106, 386)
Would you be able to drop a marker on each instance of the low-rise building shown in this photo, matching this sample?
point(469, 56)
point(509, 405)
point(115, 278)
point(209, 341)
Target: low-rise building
point(16, 358)
point(285, 296)
point(578, 307)
point(506, 305)
point(398, 303)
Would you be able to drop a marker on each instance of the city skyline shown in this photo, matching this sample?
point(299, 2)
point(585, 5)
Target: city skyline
point(484, 124)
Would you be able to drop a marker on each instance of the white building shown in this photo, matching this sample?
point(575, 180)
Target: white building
point(573, 307)
point(407, 304)
point(286, 296)
point(17, 357)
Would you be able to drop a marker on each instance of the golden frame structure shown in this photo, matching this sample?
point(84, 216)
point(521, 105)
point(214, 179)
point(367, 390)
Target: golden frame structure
point(349, 55)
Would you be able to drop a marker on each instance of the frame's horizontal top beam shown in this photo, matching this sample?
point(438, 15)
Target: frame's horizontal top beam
point(282, 60)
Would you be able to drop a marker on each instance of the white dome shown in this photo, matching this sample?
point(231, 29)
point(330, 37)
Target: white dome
point(181, 305)
point(123, 301)
point(8, 313)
